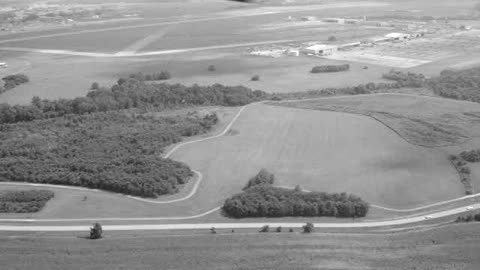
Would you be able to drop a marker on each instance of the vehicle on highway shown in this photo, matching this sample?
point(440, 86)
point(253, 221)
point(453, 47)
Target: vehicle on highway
point(470, 208)
point(428, 217)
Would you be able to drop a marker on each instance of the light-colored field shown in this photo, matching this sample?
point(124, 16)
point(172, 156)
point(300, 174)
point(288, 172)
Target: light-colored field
point(323, 151)
point(426, 121)
point(276, 75)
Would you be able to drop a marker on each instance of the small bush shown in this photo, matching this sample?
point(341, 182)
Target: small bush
point(332, 38)
point(290, 230)
point(212, 68)
point(330, 68)
point(308, 228)
point(96, 232)
point(213, 231)
point(265, 228)
point(279, 229)
point(255, 78)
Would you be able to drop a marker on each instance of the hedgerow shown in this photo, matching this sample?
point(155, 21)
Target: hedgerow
point(24, 201)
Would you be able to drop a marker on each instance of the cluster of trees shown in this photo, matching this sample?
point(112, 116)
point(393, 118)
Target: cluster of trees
point(464, 171)
point(462, 84)
point(264, 200)
point(161, 76)
point(131, 93)
point(330, 68)
point(28, 201)
point(468, 218)
point(471, 156)
point(12, 81)
point(406, 79)
point(114, 151)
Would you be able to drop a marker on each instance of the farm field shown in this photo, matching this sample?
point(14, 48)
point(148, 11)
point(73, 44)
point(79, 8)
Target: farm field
point(426, 121)
point(48, 78)
point(448, 247)
point(322, 151)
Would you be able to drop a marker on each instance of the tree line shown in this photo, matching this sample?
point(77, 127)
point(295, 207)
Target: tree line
point(132, 93)
point(26, 201)
point(264, 200)
point(461, 84)
point(115, 151)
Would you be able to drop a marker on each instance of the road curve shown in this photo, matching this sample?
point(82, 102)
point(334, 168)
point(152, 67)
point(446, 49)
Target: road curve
point(252, 225)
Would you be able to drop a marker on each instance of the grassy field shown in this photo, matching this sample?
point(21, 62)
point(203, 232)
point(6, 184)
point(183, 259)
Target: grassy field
point(425, 121)
point(322, 151)
point(453, 247)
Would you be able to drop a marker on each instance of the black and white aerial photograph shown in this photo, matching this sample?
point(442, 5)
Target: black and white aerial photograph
point(239, 134)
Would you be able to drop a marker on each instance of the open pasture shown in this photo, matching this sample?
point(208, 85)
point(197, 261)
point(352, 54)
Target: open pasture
point(322, 151)
point(426, 121)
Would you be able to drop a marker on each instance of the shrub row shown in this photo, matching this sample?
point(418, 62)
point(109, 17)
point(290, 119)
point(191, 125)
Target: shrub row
point(24, 201)
point(330, 68)
point(468, 218)
point(161, 76)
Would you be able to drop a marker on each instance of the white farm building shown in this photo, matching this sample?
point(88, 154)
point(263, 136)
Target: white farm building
point(320, 49)
point(398, 36)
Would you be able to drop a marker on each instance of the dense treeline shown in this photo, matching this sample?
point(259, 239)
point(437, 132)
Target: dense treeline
point(115, 151)
point(12, 81)
point(28, 201)
point(330, 68)
point(264, 200)
point(131, 93)
point(408, 79)
point(462, 84)
point(360, 89)
point(471, 156)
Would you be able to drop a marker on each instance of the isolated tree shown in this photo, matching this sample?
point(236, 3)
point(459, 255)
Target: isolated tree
point(212, 68)
point(279, 229)
point(298, 188)
point(213, 231)
point(94, 86)
point(96, 231)
point(265, 228)
point(308, 228)
point(255, 78)
point(290, 230)
point(332, 38)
